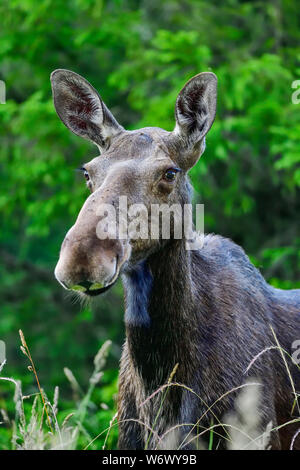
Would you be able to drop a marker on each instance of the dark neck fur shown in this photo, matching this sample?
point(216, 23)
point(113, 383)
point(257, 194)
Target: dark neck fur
point(159, 316)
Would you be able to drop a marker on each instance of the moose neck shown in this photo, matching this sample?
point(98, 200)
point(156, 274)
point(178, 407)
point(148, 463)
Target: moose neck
point(159, 317)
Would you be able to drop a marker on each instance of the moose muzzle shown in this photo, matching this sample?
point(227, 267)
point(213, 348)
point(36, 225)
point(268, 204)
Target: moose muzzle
point(87, 263)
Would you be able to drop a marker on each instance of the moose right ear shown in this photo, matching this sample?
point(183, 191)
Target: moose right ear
point(81, 109)
point(194, 112)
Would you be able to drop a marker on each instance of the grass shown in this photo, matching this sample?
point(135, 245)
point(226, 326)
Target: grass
point(39, 424)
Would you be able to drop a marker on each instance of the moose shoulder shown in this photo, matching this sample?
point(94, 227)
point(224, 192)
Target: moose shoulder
point(203, 316)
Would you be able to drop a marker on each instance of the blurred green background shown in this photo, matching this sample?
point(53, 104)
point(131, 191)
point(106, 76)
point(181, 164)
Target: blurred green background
point(138, 54)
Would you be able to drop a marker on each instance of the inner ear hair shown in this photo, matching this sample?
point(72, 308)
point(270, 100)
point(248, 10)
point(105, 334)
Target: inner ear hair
point(195, 111)
point(81, 108)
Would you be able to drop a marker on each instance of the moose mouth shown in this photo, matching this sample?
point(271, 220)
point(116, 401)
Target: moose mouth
point(95, 292)
point(90, 289)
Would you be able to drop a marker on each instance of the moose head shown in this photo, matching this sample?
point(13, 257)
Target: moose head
point(147, 166)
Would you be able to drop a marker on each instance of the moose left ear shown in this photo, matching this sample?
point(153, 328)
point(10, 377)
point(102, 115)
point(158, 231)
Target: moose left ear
point(81, 108)
point(195, 112)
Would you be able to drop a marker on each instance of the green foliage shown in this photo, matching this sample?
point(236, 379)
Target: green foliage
point(138, 54)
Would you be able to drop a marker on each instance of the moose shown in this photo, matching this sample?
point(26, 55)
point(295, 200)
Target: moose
point(197, 317)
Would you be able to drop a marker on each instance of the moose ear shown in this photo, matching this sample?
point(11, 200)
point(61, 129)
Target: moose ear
point(194, 112)
point(81, 109)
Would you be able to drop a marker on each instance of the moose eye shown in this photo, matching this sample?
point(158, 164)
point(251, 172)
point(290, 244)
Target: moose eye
point(86, 175)
point(170, 174)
